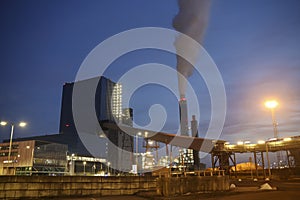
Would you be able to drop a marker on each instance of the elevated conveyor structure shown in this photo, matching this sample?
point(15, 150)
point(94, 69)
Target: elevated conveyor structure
point(221, 151)
point(195, 143)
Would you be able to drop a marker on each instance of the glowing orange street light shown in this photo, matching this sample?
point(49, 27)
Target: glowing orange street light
point(271, 104)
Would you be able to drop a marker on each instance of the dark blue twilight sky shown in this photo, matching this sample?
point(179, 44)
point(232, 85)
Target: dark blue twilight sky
point(255, 44)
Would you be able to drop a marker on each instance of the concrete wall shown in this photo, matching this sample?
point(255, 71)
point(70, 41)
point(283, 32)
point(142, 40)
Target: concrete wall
point(14, 187)
point(19, 187)
point(169, 186)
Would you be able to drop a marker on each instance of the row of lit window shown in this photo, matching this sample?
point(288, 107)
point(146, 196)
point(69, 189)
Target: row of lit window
point(5, 154)
point(117, 110)
point(7, 147)
point(117, 92)
point(117, 101)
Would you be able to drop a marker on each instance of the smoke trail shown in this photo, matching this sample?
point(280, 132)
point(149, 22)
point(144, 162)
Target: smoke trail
point(191, 20)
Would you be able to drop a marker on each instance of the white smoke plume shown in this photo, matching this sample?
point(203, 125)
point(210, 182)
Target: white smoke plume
point(191, 20)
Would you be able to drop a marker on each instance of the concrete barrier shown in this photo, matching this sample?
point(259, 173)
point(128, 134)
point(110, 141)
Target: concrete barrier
point(17, 187)
point(170, 186)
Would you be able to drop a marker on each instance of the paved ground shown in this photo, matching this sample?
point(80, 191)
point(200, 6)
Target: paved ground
point(273, 195)
point(286, 190)
point(106, 198)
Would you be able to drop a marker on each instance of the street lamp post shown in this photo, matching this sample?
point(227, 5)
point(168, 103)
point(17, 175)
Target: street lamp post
point(108, 164)
point(137, 150)
point(272, 104)
point(94, 168)
point(4, 123)
point(72, 168)
point(84, 163)
point(268, 159)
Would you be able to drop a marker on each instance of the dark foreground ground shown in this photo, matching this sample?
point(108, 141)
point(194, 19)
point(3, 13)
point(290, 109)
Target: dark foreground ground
point(285, 190)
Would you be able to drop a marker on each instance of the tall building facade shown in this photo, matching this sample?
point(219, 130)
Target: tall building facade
point(108, 107)
point(108, 103)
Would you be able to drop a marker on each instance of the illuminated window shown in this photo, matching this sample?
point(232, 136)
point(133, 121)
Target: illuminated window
point(117, 102)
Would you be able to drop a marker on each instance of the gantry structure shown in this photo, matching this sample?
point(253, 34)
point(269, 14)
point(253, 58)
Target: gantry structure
point(223, 154)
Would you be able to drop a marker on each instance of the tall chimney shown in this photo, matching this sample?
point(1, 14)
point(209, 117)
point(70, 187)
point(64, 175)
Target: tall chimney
point(183, 113)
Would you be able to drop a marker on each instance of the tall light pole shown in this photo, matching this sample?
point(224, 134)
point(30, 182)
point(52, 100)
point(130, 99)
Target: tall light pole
point(137, 150)
point(272, 104)
point(108, 164)
point(4, 123)
point(94, 169)
point(84, 163)
point(267, 155)
point(268, 159)
point(72, 168)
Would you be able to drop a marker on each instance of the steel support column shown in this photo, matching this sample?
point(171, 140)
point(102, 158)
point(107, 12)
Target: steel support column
point(263, 164)
point(255, 162)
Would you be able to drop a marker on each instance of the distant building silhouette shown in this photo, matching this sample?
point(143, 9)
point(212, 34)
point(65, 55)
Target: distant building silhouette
point(108, 107)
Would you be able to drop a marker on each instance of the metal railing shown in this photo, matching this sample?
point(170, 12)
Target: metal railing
point(192, 173)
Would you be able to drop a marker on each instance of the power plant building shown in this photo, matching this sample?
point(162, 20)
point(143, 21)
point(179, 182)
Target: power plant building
point(108, 108)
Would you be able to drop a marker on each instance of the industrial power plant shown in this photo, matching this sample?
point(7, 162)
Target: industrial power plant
point(129, 125)
point(66, 154)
